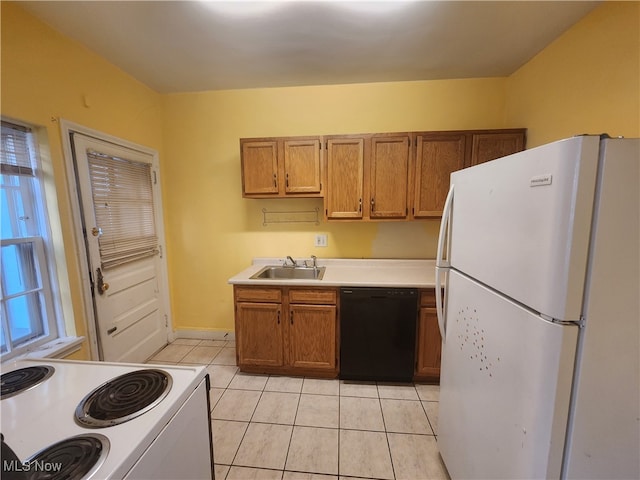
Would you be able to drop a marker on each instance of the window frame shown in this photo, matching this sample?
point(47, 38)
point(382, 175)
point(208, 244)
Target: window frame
point(49, 324)
point(33, 192)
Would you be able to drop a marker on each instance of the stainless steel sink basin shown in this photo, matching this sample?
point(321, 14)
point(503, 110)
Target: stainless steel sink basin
point(278, 272)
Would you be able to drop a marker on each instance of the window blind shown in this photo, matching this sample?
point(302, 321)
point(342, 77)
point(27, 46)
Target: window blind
point(123, 204)
point(14, 150)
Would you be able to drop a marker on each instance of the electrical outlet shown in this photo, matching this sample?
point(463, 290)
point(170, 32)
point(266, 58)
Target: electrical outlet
point(321, 240)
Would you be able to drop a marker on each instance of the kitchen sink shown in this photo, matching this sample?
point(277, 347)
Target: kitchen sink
point(278, 272)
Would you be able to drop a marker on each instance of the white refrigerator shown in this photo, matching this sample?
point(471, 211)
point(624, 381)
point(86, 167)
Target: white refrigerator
point(539, 259)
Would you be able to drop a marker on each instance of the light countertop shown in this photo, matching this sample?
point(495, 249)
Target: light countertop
point(350, 273)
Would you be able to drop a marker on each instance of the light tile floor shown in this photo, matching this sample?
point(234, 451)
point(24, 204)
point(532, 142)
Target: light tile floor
point(286, 428)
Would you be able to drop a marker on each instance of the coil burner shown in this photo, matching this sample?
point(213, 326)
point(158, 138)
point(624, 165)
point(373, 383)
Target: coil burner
point(17, 381)
point(123, 398)
point(72, 458)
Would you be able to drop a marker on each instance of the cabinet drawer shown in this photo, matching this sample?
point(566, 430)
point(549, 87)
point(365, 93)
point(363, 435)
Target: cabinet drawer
point(319, 296)
point(428, 298)
point(258, 294)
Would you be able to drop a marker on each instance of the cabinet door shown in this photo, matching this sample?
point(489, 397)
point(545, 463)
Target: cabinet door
point(389, 177)
point(312, 333)
point(259, 334)
point(259, 167)
point(489, 146)
point(429, 344)
point(302, 166)
point(437, 156)
point(345, 167)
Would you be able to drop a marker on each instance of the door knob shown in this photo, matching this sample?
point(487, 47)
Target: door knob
point(102, 285)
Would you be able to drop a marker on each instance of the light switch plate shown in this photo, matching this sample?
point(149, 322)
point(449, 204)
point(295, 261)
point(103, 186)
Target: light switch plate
point(321, 240)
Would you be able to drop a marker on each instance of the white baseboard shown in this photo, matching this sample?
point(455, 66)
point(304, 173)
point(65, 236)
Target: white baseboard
point(204, 335)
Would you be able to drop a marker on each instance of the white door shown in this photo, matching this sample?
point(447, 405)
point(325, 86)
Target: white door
point(504, 388)
point(120, 212)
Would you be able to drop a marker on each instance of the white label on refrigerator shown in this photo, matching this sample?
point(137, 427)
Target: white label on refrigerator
point(540, 180)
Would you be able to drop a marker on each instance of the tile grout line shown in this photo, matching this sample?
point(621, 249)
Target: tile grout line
point(245, 432)
point(428, 419)
point(213, 439)
point(386, 434)
point(286, 457)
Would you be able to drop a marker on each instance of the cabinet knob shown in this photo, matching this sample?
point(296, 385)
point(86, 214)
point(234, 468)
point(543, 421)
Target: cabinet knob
point(291, 317)
point(275, 181)
point(372, 204)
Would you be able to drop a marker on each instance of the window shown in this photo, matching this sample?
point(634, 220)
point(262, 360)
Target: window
point(26, 300)
point(123, 203)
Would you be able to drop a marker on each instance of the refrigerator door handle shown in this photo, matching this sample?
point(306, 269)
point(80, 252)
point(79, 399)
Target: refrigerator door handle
point(442, 263)
point(439, 305)
point(445, 223)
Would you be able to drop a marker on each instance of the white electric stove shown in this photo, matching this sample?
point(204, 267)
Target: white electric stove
point(134, 421)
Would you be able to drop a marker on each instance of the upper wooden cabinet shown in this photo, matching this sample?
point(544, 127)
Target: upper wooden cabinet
point(259, 167)
point(385, 176)
point(437, 156)
point(302, 166)
point(389, 177)
point(281, 167)
point(368, 177)
point(345, 177)
point(489, 146)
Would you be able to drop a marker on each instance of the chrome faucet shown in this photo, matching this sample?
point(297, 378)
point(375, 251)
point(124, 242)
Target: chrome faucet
point(314, 259)
point(293, 262)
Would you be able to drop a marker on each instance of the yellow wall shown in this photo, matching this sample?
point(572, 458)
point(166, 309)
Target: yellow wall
point(214, 233)
point(45, 76)
point(587, 81)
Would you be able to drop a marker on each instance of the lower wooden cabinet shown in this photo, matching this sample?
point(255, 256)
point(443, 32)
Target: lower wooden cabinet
point(259, 334)
point(294, 331)
point(287, 330)
point(429, 344)
point(312, 336)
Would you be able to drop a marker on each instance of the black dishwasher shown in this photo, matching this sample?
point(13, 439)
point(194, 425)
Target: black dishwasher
point(378, 333)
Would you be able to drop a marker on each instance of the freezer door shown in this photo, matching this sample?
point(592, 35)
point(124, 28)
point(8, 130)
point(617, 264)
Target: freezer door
point(521, 224)
point(504, 387)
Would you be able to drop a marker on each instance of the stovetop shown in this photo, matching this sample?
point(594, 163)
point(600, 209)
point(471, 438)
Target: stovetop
point(44, 414)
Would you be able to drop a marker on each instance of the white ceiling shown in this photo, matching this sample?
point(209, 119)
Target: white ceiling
point(181, 46)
